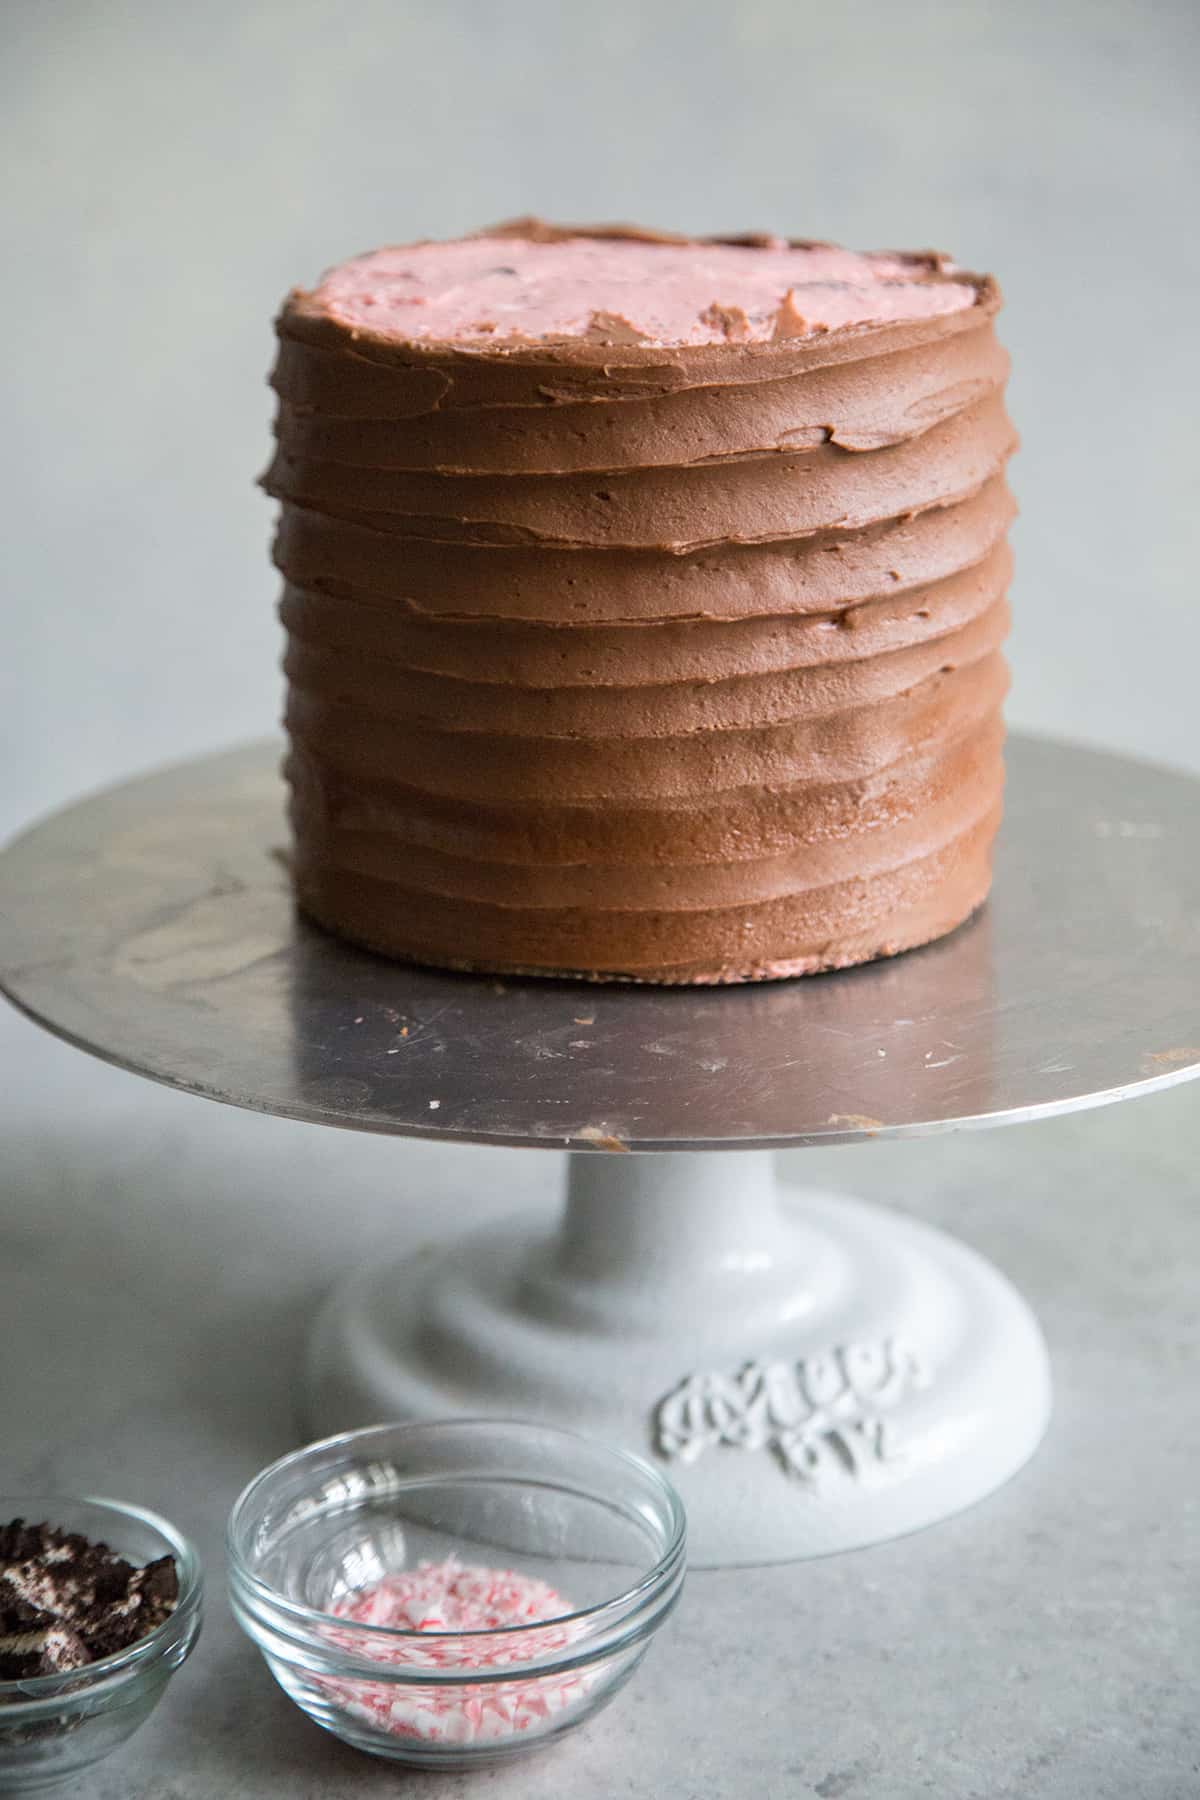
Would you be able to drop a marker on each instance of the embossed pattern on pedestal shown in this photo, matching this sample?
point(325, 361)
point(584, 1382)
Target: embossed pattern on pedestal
point(822, 1416)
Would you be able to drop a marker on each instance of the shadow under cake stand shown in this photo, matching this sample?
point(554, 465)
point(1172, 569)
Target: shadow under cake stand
point(818, 1372)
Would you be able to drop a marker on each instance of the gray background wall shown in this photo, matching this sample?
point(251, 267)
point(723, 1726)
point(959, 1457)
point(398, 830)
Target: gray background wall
point(173, 168)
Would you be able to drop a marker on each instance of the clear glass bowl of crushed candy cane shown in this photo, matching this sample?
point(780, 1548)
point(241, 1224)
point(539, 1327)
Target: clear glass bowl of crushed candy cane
point(454, 1593)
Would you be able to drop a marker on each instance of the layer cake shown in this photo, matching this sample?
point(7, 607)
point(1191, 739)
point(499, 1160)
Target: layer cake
point(644, 600)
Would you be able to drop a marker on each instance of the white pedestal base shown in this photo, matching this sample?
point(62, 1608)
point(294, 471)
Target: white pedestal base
point(816, 1373)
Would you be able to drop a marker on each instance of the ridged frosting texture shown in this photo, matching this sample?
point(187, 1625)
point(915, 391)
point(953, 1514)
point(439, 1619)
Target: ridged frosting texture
point(644, 601)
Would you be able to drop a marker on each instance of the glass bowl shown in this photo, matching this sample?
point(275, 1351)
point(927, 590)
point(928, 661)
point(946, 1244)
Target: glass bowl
point(54, 1726)
point(318, 1531)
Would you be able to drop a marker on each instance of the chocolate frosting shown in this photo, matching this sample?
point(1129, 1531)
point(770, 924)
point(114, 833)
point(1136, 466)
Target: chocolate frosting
point(644, 600)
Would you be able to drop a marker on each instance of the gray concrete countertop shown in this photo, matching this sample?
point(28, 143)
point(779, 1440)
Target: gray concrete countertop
point(160, 1260)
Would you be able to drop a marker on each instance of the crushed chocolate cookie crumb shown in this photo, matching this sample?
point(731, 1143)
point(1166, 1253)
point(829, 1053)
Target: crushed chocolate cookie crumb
point(64, 1601)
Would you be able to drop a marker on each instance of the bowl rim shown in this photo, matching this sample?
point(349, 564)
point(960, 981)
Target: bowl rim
point(627, 1601)
point(66, 1685)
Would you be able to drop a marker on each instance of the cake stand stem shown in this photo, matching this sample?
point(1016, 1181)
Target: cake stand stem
point(815, 1372)
point(623, 1215)
point(644, 1237)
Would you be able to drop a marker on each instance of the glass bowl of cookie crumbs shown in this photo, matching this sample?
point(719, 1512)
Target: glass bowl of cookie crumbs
point(99, 1605)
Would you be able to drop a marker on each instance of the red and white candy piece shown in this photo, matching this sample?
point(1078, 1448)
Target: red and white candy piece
point(459, 1598)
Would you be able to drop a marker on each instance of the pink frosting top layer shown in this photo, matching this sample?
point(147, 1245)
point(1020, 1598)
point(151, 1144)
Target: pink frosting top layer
point(486, 289)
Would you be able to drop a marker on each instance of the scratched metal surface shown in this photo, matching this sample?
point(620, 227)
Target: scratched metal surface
point(152, 925)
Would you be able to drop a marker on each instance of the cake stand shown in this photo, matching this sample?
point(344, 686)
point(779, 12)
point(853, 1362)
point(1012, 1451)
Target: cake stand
point(817, 1372)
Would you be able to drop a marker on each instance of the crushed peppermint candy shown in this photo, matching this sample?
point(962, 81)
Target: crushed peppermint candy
point(452, 1596)
point(450, 1601)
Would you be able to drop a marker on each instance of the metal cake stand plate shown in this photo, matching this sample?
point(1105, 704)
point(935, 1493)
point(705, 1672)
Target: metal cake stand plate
point(817, 1372)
